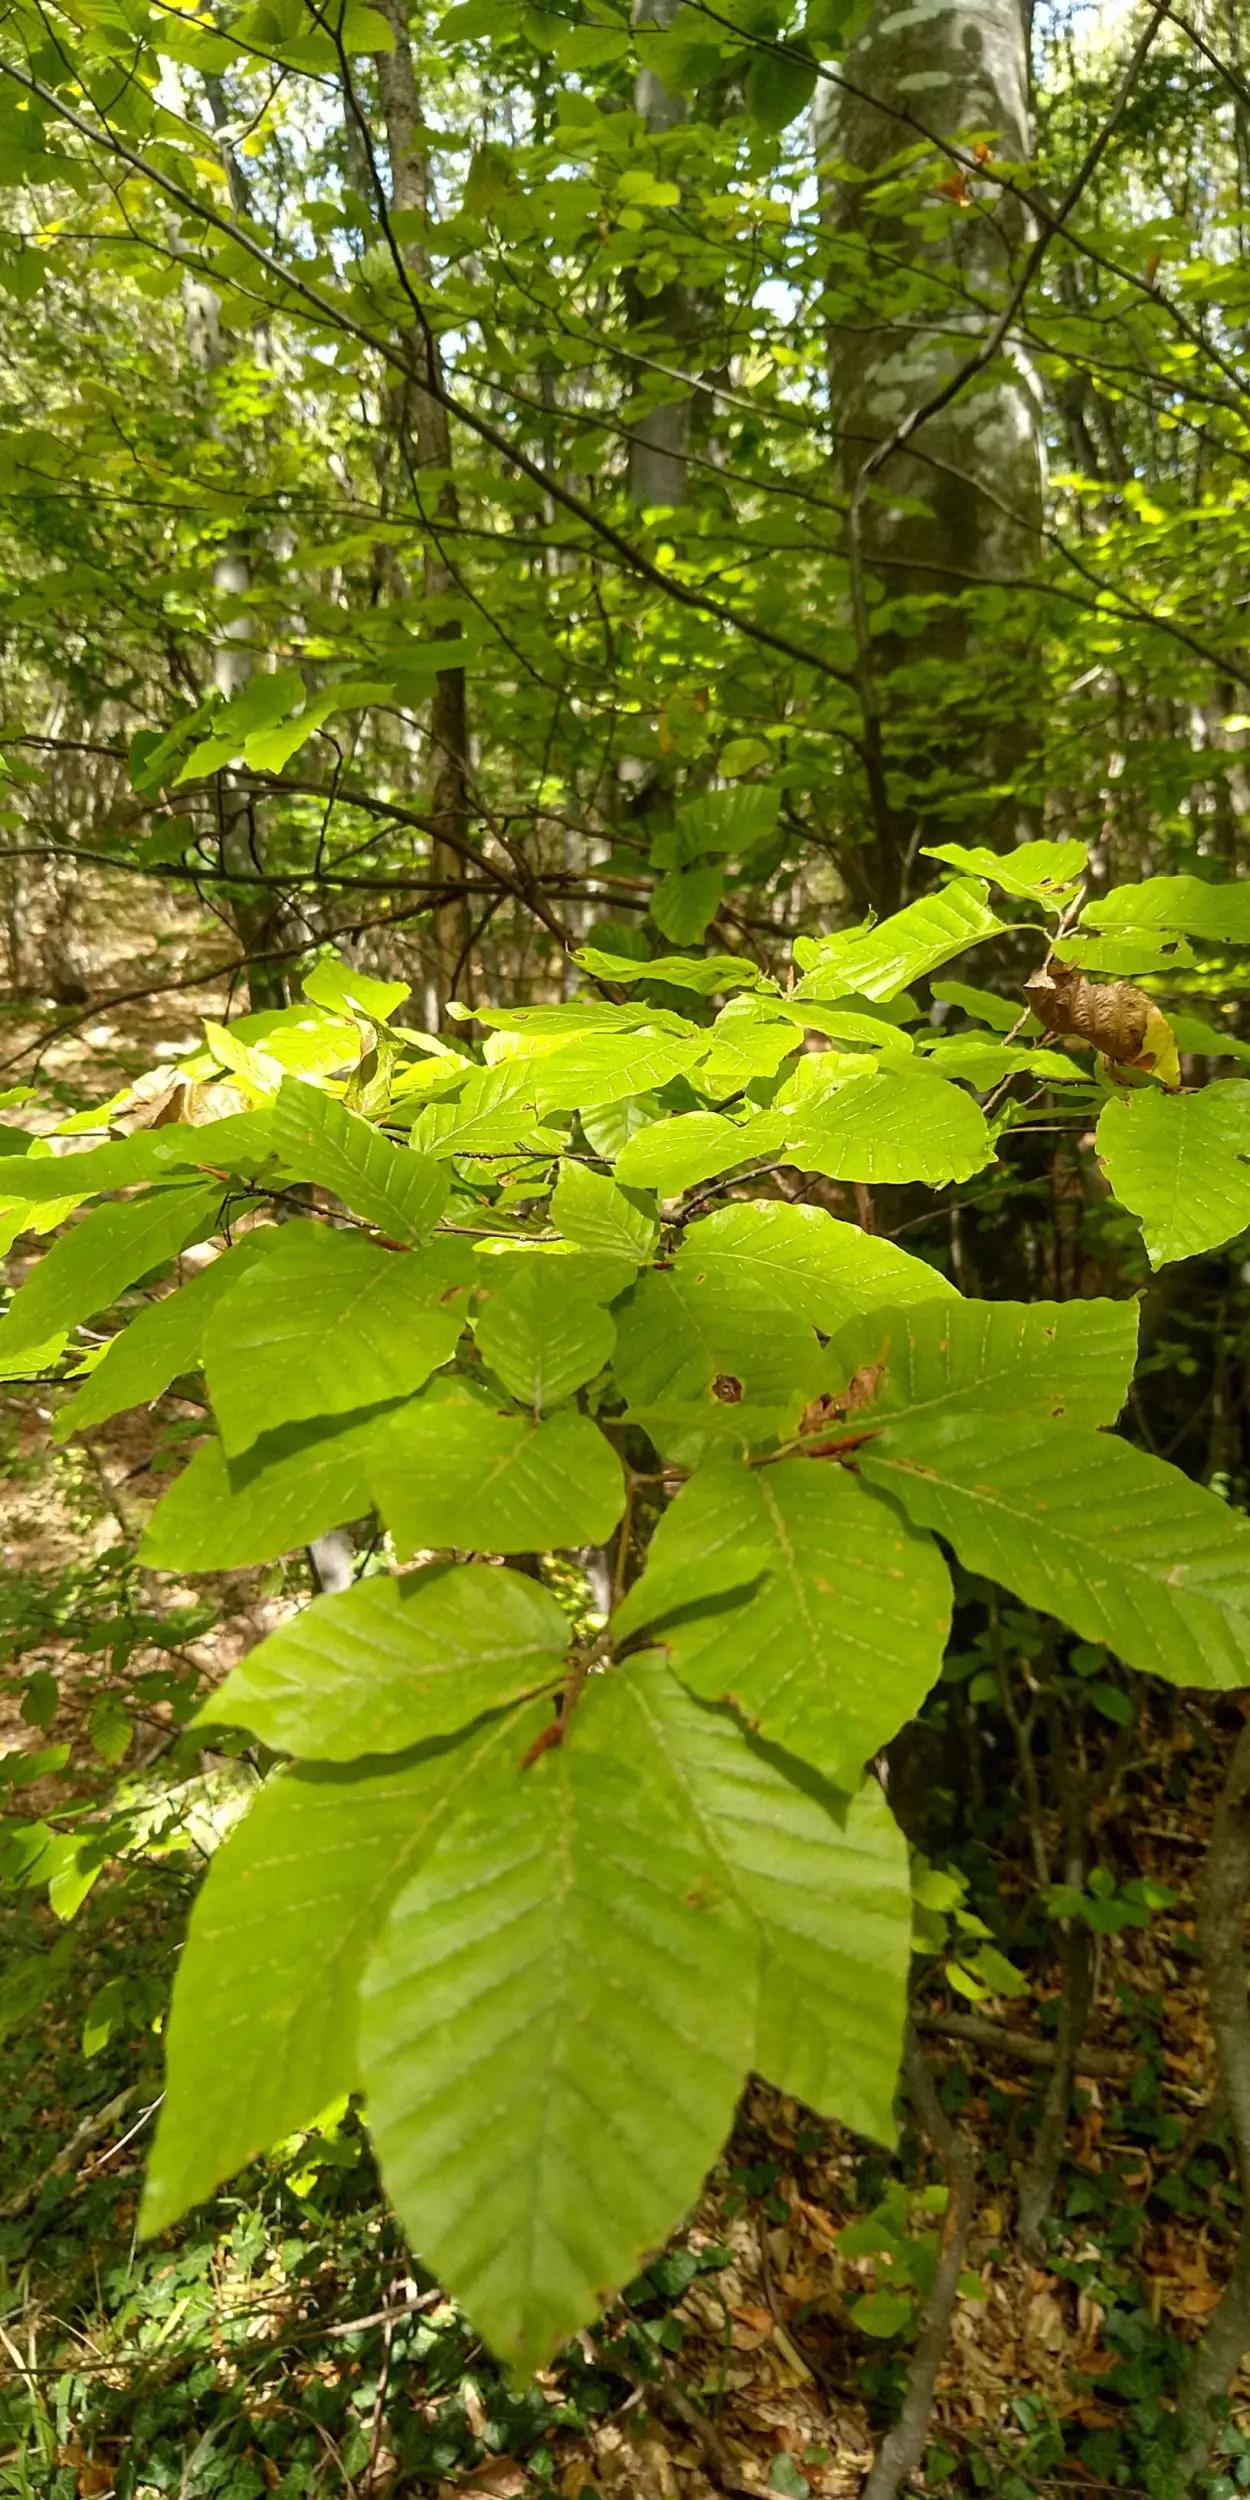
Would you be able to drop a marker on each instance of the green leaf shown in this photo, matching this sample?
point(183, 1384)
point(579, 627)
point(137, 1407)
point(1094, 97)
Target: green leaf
point(842, 1025)
point(450, 1472)
point(539, 1334)
point(983, 1063)
point(240, 1143)
point(31, 1178)
point(752, 1036)
point(893, 1125)
point(823, 1879)
point(326, 1324)
point(1003, 1014)
point(701, 1361)
point(670, 1156)
point(883, 2313)
point(1212, 1041)
point(719, 824)
point(394, 1663)
point(262, 2035)
point(778, 87)
point(271, 750)
point(402, 1194)
point(591, 47)
point(347, 992)
point(555, 2026)
point(110, 1728)
point(592, 1069)
point(1181, 1163)
point(741, 755)
point(685, 900)
point(493, 1111)
point(588, 1208)
point(878, 963)
point(1128, 953)
point(1044, 872)
point(221, 1513)
point(161, 1343)
point(114, 1246)
point(805, 1261)
point(270, 695)
point(1195, 906)
point(1061, 1360)
point(302, 1040)
point(838, 1646)
point(1119, 1546)
point(701, 973)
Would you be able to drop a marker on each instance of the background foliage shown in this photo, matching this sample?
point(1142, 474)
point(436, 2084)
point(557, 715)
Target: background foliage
point(587, 596)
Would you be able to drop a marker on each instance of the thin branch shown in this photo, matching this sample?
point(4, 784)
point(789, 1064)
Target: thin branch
point(903, 2447)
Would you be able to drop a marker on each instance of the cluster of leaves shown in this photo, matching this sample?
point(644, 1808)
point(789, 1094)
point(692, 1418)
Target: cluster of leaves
point(545, 1865)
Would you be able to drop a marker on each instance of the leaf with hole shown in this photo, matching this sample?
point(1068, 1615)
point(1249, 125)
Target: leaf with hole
point(1065, 1361)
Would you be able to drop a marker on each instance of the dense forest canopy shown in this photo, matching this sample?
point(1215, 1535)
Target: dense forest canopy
point(624, 1168)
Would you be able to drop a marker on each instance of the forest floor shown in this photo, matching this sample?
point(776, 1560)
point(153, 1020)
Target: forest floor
point(284, 2343)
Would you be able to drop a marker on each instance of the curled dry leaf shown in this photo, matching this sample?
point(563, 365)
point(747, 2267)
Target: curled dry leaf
point(1113, 1015)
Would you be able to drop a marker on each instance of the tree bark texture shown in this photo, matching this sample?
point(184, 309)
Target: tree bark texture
point(659, 440)
point(960, 502)
point(421, 425)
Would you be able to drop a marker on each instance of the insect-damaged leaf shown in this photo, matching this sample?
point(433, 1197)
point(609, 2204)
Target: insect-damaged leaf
point(1069, 1361)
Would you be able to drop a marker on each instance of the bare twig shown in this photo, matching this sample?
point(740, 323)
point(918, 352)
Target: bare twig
point(99, 2123)
point(1002, 2040)
point(903, 2447)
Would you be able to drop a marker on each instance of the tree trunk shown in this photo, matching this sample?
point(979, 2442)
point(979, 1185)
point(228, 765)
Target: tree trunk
point(659, 438)
point(961, 68)
point(242, 852)
point(421, 426)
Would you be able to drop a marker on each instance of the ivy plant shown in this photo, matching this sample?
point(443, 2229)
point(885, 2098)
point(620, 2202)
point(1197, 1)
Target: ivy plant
point(542, 1883)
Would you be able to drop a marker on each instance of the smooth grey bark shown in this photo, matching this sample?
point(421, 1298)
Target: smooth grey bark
point(659, 439)
point(420, 423)
point(960, 67)
point(234, 656)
